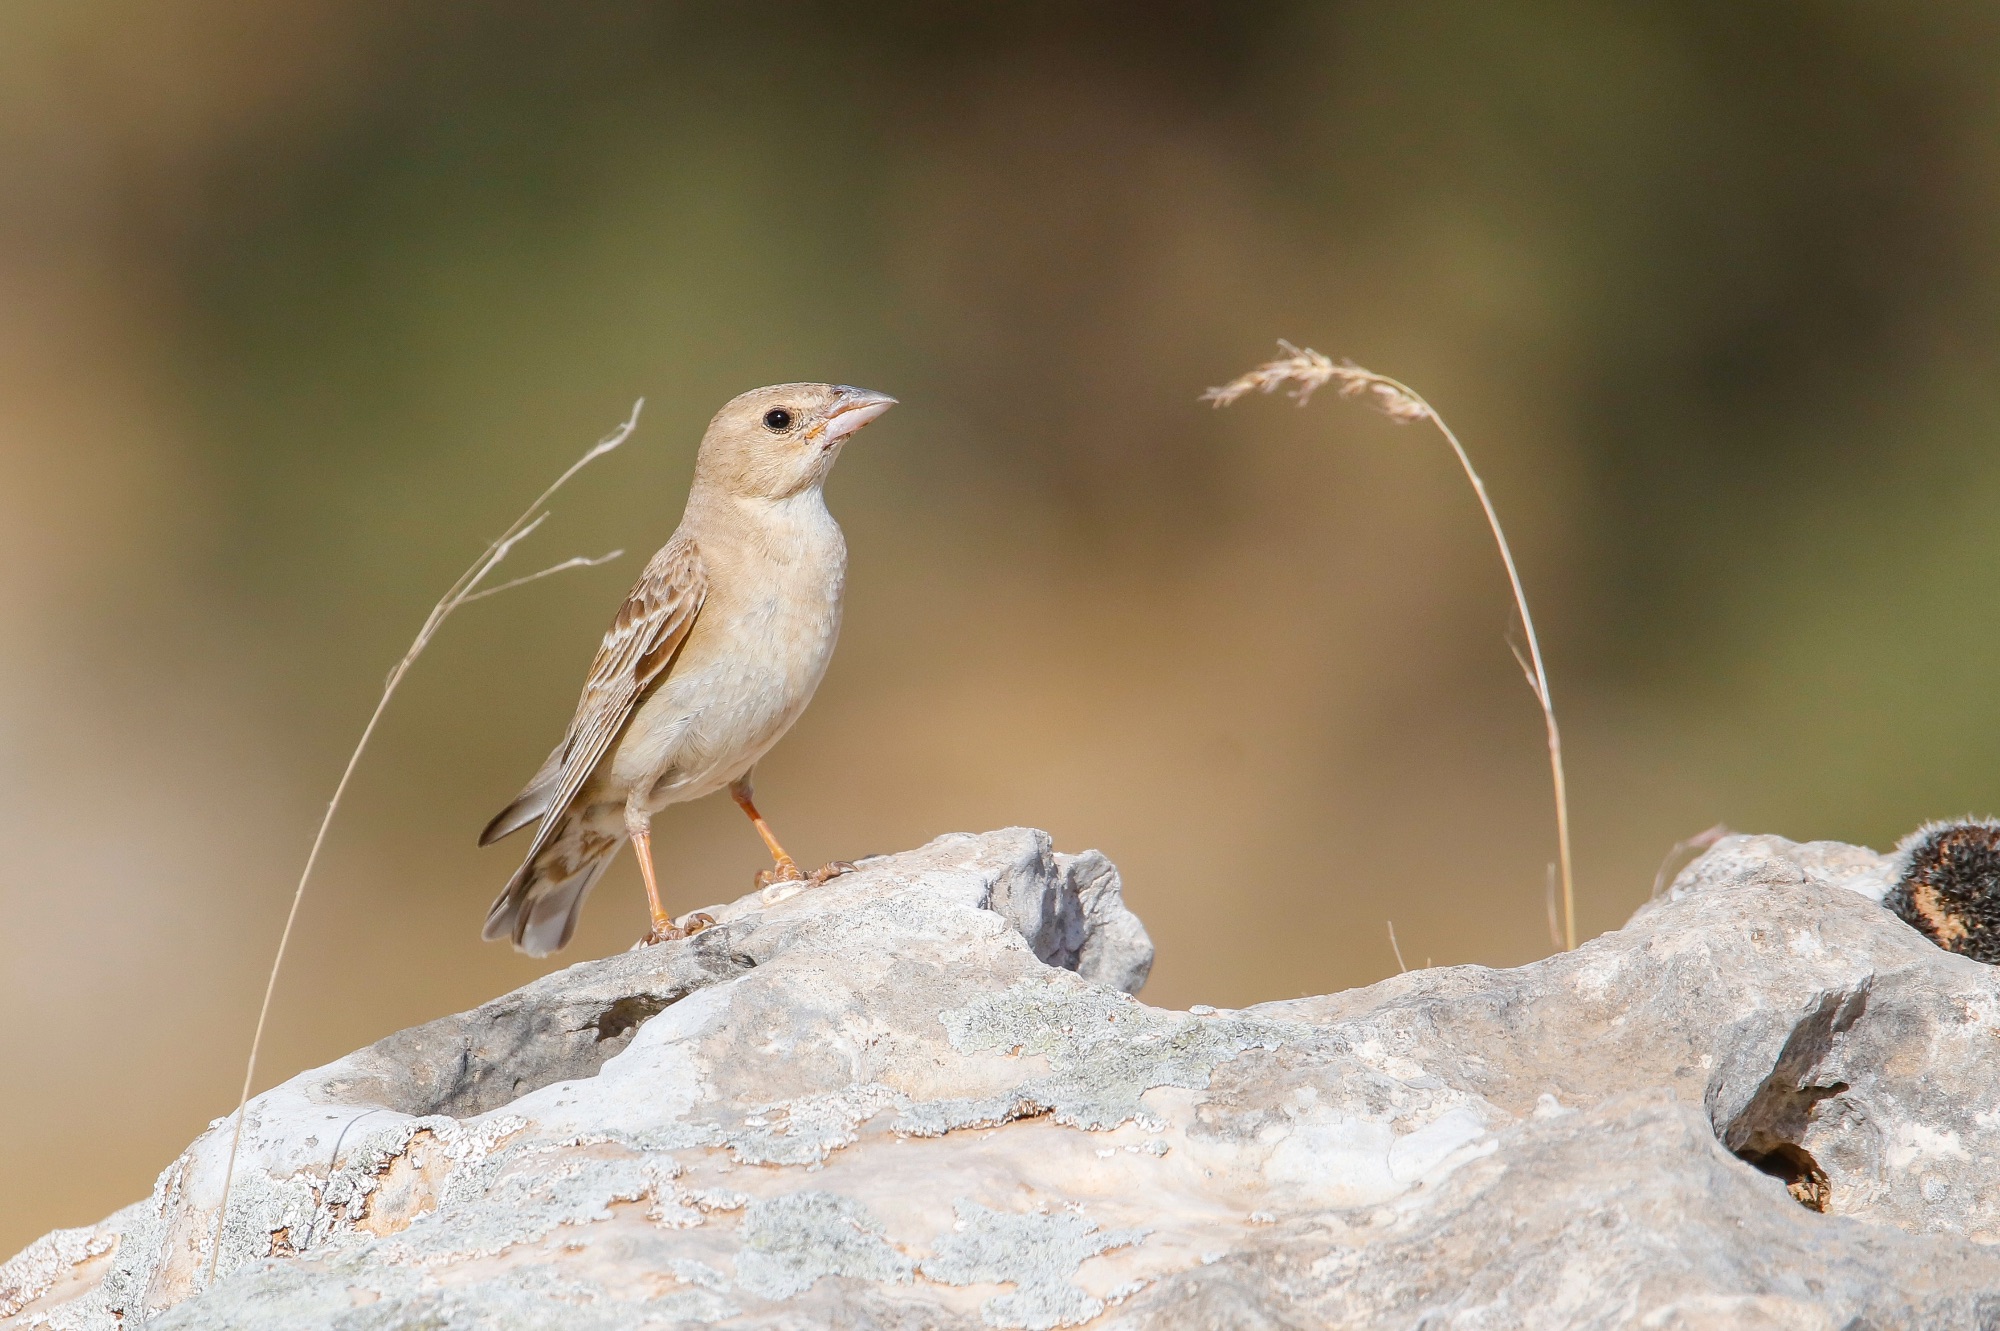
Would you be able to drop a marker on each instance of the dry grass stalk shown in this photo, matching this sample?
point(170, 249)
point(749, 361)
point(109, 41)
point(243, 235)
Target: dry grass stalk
point(461, 592)
point(1311, 371)
point(1397, 948)
point(1697, 843)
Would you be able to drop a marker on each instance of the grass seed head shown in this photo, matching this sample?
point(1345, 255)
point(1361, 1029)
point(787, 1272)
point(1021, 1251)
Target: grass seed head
point(1311, 371)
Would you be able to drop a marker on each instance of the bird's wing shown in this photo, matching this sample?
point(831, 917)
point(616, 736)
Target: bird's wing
point(636, 651)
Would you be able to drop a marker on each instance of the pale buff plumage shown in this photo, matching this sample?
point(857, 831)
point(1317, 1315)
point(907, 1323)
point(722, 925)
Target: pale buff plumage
point(713, 656)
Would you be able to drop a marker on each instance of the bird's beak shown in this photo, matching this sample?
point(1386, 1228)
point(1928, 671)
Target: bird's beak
point(854, 408)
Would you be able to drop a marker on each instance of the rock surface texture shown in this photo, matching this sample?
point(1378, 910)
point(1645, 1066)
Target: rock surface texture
point(922, 1097)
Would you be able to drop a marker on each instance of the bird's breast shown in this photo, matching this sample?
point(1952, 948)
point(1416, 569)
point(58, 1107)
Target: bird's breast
point(783, 635)
point(757, 652)
point(783, 613)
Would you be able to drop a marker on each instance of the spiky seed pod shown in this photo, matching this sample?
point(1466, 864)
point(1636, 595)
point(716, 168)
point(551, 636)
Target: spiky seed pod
point(1950, 888)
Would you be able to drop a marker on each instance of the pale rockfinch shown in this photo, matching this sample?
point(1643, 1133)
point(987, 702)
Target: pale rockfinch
point(708, 663)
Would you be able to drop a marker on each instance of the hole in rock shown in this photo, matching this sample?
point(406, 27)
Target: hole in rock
point(1794, 1166)
point(627, 1014)
point(1766, 1132)
point(563, 1027)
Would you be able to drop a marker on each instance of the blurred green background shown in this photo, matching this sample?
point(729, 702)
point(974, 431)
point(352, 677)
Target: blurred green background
point(300, 303)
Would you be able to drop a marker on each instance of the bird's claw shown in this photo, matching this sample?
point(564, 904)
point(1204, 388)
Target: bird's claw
point(784, 871)
point(789, 872)
point(674, 933)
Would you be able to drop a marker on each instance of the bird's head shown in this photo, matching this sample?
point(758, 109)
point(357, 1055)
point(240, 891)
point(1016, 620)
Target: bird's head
point(772, 443)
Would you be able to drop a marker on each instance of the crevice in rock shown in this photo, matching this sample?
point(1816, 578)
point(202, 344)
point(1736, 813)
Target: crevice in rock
point(1071, 910)
point(1769, 1131)
point(562, 1028)
point(624, 1017)
point(1794, 1166)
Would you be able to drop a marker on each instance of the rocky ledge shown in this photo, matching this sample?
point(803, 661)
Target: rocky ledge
point(923, 1097)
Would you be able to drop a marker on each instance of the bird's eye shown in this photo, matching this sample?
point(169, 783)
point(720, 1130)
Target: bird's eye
point(777, 418)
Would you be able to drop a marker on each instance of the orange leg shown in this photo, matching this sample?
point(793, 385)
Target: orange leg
point(784, 868)
point(663, 924)
point(640, 828)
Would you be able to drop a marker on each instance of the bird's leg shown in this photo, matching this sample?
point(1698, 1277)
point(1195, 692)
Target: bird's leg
point(640, 828)
point(784, 869)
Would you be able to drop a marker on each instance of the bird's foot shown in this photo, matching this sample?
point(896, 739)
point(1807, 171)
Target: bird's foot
point(786, 871)
point(669, 932)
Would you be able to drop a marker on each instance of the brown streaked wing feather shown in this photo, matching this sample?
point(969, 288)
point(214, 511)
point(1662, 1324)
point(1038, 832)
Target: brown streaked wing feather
point(641, 642)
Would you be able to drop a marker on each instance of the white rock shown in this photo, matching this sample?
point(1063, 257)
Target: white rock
point(919, 1097)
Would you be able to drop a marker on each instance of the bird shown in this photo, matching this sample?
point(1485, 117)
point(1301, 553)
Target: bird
point(714, 654)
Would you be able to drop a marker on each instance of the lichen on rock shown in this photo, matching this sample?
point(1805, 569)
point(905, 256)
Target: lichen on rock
point(789, 1242)
point(1035, 1252)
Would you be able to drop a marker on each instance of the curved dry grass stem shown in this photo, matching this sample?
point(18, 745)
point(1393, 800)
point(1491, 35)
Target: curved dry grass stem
point(1697, 843)
point(464, 590)
point(574, 561)
point(1311, 371)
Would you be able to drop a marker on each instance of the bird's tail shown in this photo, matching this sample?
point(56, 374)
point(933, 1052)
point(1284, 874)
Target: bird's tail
point(538, 907)
point(531, 803)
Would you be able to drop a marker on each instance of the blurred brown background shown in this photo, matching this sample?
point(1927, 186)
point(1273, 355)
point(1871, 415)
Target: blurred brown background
point(300, 303)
